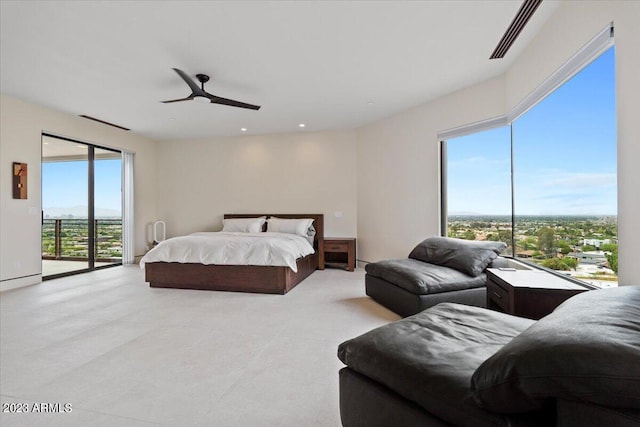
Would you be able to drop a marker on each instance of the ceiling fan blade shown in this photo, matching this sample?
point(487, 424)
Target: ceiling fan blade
point(188, 98)
point(219, 100)
point(193, 85)
point(199, 91)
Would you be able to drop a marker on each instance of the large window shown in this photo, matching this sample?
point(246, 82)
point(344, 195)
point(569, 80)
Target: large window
point(545, 183)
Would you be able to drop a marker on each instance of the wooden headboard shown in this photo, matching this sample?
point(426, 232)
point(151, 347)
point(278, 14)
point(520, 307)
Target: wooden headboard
point(318, 224)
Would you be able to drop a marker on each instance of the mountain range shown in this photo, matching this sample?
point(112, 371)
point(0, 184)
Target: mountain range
point(80, 212)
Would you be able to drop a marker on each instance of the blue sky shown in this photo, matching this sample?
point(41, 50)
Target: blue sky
point(564, 154)
point(64, 184)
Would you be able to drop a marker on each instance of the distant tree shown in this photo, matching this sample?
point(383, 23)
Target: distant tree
point(609, 247)
point(612, 259)
point(564, 247)
point(469, 235)
point(555, 264)
point(547, 241)
point(479, 225)
point(610, 230)
point(504, 236)
point(588, 248)
point(572, 263)
point(529, 244)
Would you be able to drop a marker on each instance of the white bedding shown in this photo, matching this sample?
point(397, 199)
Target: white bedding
point(222, 248)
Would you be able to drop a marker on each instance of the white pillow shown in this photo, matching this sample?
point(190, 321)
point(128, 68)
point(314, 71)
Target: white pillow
point(243, 225)
point(291, 226)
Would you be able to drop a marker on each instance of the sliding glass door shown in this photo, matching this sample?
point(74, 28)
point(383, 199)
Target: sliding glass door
point(108, 206)
point(65, 230)
point(81, 207)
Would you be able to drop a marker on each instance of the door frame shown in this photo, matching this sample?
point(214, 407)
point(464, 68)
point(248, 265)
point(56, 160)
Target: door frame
point(91, 229)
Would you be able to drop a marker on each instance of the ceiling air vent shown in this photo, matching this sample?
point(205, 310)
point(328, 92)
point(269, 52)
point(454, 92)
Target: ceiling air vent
point(519, 21)
point(103, 122)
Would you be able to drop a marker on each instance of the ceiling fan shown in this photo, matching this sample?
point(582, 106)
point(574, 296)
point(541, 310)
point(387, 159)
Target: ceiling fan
point(199, 94)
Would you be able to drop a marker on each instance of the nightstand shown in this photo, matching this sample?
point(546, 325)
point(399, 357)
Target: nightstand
point(527, 293)
point(340, 252)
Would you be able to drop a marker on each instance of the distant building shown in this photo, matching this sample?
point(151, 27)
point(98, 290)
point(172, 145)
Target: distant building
point(593, 257)
point(525, 254)
point(597, 242)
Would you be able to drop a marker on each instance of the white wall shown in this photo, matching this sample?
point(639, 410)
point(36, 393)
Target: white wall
point(199, 181)
point(21, 126)
point(398, 205)
point(398, 169)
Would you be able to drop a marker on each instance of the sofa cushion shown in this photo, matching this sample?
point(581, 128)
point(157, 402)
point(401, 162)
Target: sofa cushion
point(587, 350)
point(423, 278)
point(429, 358)
point(468, 256)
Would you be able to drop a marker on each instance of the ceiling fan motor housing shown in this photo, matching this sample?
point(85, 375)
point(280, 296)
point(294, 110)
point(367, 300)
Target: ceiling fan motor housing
point(202, 78)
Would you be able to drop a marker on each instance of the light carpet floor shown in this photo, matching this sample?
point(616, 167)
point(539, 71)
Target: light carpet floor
point(124, 354)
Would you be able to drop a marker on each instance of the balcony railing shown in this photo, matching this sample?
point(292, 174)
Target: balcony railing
point(67, 239)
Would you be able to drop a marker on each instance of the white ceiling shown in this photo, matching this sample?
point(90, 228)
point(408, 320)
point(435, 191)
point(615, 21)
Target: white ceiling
point(330, 65)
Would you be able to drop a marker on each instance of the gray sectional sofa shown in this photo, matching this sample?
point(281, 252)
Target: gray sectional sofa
point(439, 269)
point(456, 365)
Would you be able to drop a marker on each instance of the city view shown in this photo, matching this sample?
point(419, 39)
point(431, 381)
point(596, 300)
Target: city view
point(68, 238)
point(583, 247)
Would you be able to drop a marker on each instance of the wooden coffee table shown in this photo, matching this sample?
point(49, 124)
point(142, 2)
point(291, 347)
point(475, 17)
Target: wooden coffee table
point(527, 293)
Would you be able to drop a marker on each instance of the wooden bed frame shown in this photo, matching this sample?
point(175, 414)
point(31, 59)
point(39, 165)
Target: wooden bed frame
point(240, 278)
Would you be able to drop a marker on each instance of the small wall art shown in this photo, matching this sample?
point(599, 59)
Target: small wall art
point(19, 180)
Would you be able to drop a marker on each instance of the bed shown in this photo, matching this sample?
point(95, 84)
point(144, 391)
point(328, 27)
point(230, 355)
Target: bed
point(241, 278)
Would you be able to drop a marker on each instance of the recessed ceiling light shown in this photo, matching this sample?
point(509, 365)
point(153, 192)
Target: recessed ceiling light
point(301, 125)
point(243, 129)
point(45, 143)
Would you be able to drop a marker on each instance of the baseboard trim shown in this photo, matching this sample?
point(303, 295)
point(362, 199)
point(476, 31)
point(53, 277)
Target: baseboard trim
point(20, 282)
